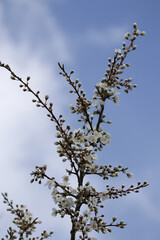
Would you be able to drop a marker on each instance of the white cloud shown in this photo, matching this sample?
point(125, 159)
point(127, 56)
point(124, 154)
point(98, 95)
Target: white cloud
point(146, 204)
point(107, 36)
point(24, 130)
point(27, 136)
point(33, 23)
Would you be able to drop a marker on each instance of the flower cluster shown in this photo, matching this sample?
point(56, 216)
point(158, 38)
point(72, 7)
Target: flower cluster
point(80, 148)
point(23, 220)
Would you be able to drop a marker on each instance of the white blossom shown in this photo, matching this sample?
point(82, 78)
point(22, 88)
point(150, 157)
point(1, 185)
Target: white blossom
point(95, 104)
point(54, 192)
point(94, 156)
point(105, 140)
point(54, 212)
point(116, 100)
point(72, 190)
point(86, 213)
point(50, 183)
point(94, 167)
point(94, 201)
point(89, 149)
point(67, 202)
point(91, 138)
point(94, 224)
point(65, 178)
point(117, 51)
point(104, 195)
point(114, 91)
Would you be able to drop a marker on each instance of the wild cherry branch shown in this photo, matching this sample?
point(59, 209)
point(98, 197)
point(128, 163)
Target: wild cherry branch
point(82, 103)
point(106, 88)
point(23, 220)
point(40, 174)
point(115, 192)
point(40, 103)
point(80, 147)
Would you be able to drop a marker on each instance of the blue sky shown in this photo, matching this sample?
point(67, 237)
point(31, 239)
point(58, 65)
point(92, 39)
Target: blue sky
point(34, 36)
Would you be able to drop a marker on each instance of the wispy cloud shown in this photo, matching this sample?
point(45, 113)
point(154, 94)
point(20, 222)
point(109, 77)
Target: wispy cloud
point(105, 37)
point(32, 23)
point(31, 42)
point(27, 137)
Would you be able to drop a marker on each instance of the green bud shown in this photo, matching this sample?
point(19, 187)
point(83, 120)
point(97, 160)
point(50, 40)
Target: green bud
point(135, 26)
point(129, 175)
point(143, 33)
point(46, 97)
point(135, 85)
point(109, 122)
point(134, 47)
point(114, 218)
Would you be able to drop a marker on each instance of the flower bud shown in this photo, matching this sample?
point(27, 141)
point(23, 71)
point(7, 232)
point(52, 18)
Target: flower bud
point(109, 121)
point(46, 97)
point(114, 218)
point(129, 175)
point(135, 26)
point(143, 33)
